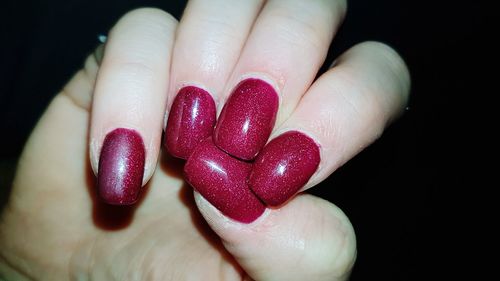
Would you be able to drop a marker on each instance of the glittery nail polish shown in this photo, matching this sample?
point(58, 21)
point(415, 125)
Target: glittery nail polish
point(247, 119)
point(191, 120)
point(284, 166)
point(223, 181)
point(121, 167)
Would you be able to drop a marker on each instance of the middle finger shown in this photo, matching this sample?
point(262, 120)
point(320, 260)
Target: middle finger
point(281, 57)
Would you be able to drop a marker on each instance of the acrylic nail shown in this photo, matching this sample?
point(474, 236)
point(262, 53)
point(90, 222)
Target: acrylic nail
point(223, 181)
point(247, 119)
point(284, 166)
point(121, 167)
point(191, 120)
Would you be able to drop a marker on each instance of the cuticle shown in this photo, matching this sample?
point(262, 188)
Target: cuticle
point(269, 79)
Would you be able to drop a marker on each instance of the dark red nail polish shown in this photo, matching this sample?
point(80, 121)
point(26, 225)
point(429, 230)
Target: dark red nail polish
point(121, 167)
point(247, 119)
point(222, 180)
point(191, 120)
point(283, 166)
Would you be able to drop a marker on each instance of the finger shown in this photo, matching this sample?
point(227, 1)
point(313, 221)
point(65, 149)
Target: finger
point(80, 88)
point(66, 115)
point(129, 102)
point(281, 57)
point(342, 113)
point(54, 156)
point(209, 40)
point(308, 239)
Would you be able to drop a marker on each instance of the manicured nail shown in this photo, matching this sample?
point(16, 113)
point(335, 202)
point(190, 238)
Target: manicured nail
point(121, 167)
point(247, 119)
point(191, 120)
point(222, 180)
point(284, 166)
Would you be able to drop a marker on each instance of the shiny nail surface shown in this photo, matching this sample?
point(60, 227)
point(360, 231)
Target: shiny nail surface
point(283, 166)
point(121, 167)
point(191, 120)
point(247, 119)
point(223, 181)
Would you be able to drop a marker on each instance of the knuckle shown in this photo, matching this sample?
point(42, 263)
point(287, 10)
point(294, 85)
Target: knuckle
point(153, 14)
point(364, 102)
point(150, 16)
point(395, 64)
point(222, 31)
point(327, 125)
point(309, 23)
point(304, 33)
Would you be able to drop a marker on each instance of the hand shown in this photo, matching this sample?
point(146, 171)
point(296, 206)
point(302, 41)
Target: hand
point(55, 226)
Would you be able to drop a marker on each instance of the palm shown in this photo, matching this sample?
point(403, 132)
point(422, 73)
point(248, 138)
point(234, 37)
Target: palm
point(54, 203)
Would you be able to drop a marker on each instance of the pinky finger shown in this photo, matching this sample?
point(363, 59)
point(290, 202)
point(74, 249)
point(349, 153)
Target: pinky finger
point(343, 112)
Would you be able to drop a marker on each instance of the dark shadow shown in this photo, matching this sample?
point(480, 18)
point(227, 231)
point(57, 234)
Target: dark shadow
point(105, 216)
point(110, 217)
point(172, 166)
point(7, 173)
point(186, 196)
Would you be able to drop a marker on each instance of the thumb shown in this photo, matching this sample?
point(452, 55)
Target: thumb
point(307, 239)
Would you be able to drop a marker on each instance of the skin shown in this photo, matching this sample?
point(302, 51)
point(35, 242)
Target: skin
point(55, 228)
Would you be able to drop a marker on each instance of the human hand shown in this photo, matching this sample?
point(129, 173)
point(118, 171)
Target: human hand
point(55, 227)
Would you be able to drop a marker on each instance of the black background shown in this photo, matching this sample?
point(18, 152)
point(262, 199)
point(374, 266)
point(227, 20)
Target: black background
point(393, 192)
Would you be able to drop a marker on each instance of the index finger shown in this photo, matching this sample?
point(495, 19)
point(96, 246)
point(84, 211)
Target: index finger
point(129, 101)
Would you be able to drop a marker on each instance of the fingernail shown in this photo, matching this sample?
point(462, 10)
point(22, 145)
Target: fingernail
point(191, 120)
point(247, 119)
point(223, 181)
point(284, 166)
point(121, 167)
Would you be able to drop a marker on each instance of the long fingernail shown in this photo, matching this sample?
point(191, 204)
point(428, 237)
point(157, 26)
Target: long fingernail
point(284, 166)
point(191, 120)
point(121, 167)
point(247, 119)
point(222, 180)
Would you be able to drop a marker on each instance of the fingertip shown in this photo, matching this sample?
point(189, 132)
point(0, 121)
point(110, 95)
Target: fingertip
point(131, 88)
point(222, 180)
point(338, 253)
point(228, 229)
point(284, 166)
point(307, 239)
